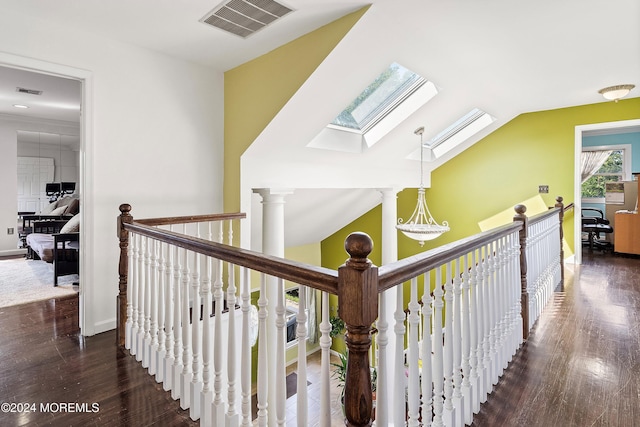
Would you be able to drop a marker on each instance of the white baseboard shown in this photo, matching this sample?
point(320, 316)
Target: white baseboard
point(12, 252)
point(104, 326)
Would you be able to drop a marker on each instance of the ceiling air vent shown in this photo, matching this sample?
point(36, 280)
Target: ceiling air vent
point(245, 17)
point(29, 91)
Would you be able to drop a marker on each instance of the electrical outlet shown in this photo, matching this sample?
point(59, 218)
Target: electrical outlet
point(543, 188)
point(10, 230)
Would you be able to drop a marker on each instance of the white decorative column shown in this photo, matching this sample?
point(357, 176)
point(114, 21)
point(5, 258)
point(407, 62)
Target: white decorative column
point(386, 341)
point(273, 244)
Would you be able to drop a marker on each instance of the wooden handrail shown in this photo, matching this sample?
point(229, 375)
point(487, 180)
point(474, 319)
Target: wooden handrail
point(543, 215)
point(192, 218)
point(320, 278)
point(407, 268)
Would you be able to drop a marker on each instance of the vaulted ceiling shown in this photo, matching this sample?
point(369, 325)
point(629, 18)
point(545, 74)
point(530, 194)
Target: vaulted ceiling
point(504, 57)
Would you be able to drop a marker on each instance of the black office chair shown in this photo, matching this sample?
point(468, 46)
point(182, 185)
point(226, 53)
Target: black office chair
point(594, 225)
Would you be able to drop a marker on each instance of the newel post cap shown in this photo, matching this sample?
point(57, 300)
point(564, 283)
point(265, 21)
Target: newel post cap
point(358, 283)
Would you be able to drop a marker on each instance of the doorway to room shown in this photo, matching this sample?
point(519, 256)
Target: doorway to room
point(581, 132)
point(51, 125)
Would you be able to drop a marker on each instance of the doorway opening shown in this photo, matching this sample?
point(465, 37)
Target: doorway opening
point(580, 133)
point(85, 155)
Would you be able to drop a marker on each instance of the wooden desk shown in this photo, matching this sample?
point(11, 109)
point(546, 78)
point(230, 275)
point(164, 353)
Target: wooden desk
point(627, 233)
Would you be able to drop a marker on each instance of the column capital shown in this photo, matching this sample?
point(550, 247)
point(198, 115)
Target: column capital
point(270, 195)
point(389, 191)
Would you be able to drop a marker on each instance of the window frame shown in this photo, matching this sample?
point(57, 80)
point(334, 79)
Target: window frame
point(626, 166)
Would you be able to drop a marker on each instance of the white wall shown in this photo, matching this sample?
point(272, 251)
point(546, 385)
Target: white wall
point(153, 138)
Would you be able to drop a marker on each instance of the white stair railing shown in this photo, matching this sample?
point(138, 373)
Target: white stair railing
point(183, 325)
point(468, 332)
point(463, 324)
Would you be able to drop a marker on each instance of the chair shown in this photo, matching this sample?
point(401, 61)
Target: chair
point(594, 224)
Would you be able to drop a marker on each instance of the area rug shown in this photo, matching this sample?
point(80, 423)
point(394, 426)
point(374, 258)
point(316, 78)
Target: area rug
point(23, 280)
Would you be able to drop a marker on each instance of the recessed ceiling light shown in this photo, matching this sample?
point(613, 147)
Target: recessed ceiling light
point(20, 106)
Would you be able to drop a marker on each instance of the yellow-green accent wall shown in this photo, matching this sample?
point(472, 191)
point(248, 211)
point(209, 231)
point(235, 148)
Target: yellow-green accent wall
point(254, 92)
point(500, 171)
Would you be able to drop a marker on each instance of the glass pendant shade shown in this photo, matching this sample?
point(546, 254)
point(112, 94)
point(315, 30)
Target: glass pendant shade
point(421, 226)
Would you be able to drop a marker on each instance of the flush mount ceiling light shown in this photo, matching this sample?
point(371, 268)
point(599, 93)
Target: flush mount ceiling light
point(20, 106)
point(421, 226)
point(616, 92)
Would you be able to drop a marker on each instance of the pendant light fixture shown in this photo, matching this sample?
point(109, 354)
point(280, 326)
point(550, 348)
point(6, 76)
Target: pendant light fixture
point(421, 226)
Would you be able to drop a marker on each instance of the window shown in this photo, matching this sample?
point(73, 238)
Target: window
point(615, 168)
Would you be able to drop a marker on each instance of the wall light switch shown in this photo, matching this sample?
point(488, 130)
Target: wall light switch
point(10, 230)
point(543, 188)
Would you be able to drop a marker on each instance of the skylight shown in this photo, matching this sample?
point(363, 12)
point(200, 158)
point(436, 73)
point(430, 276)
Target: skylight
point(454, 135)
point(393, 96)
point(378, 99)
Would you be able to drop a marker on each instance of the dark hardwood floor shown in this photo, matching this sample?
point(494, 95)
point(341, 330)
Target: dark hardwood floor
point(580, 367)
point(46, 361)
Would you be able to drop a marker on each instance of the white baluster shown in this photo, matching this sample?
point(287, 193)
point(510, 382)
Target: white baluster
point(457, 342)
point(438, 368)
point(263, 375)
point(280, 374)
point(187, 372)
point(206, 396)
point(141, 301)
point(414, 376)
point(130, 291)
point(427, 365)
point(245, 364)
point(499, 297)
point(399, 377)
point(481, 307)
point(232, 413)
point(448, 346)
point(475, 316)
point(218, 408)
point(148, 284)
point(153, 315)
point(169, 359)
point(383, 398)
point(160, 301)
point(178, 350)
point(195, 388)
point(491, 287)
point(502, 325)
point(133, 295)
point(325, 345)
point(486, 323)
point(301, 334)
point(466, 342)
point(515, 307)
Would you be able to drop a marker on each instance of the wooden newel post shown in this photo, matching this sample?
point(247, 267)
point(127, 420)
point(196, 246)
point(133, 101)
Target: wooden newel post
point(524, 297)
point(560, 205)
point(123, 271)
point(358, 307)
